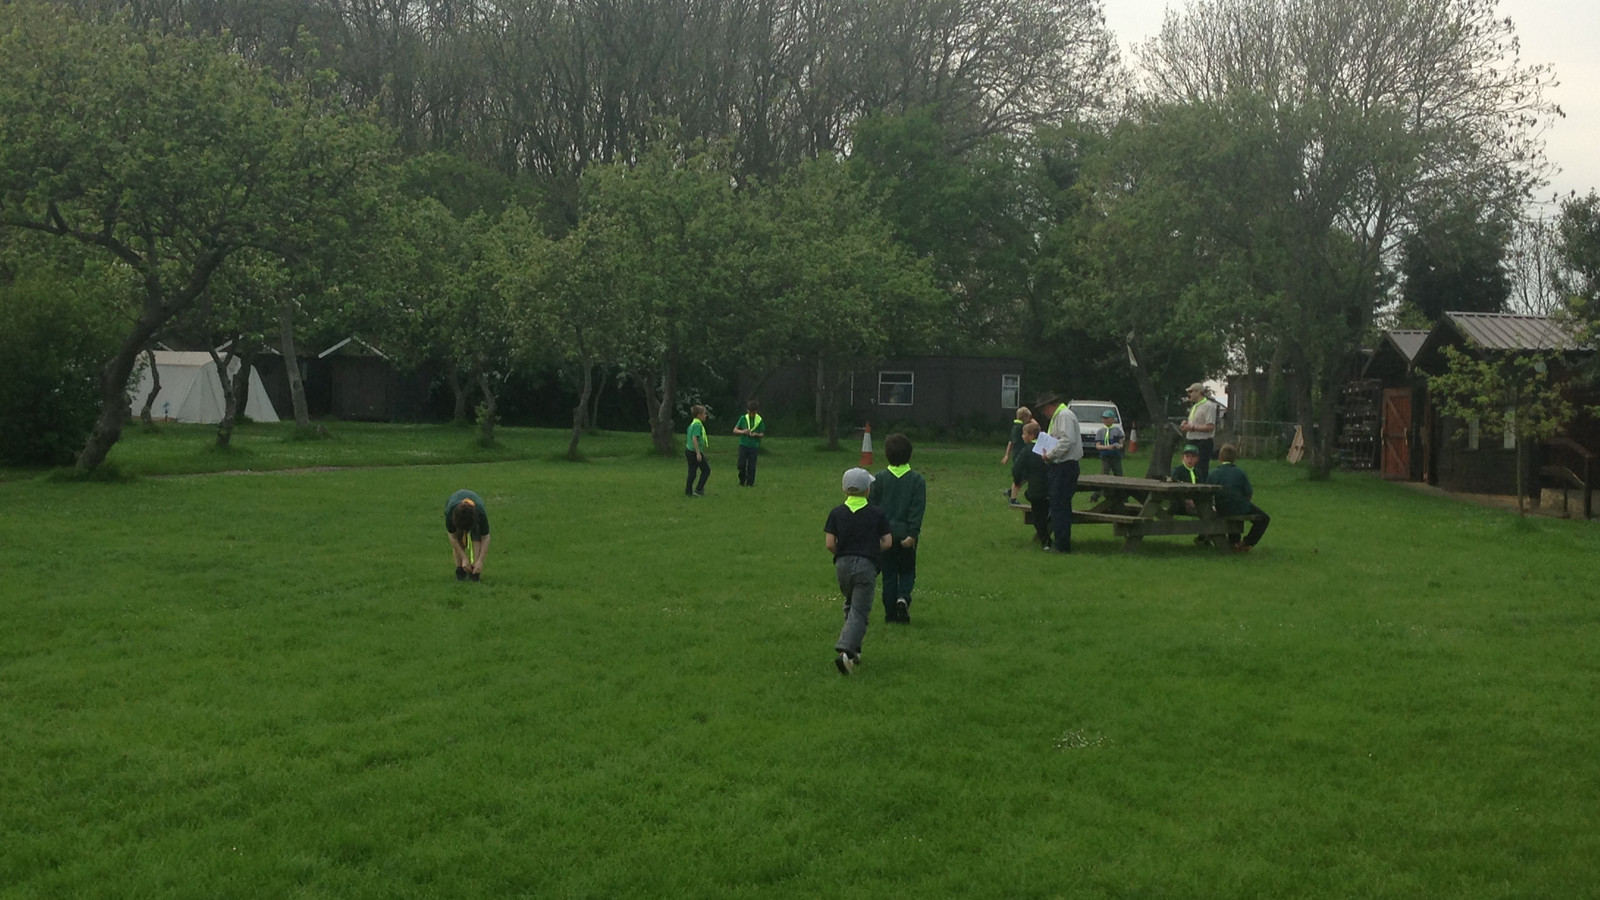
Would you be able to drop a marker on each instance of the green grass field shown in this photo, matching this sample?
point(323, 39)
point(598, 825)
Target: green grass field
point(270, 685)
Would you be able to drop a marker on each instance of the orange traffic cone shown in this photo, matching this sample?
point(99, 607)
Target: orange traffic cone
point(866, 446)
point(1133, 440)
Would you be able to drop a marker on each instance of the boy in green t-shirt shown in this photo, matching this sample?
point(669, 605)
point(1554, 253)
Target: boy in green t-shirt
point(903, 495)
point(750, 430)
point(695, 445)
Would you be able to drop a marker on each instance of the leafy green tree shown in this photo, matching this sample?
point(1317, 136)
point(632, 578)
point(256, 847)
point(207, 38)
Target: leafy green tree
point(671, 241)
point(962, 206)
point(839, 290)
point(1454, 260)
point(170, 155)
point(1363, 111)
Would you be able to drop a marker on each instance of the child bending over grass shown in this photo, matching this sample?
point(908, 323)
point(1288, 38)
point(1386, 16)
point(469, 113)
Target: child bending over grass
point(466, 520)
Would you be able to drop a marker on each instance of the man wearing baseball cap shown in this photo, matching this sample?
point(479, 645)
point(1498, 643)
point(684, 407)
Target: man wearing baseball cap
point(1200, 427)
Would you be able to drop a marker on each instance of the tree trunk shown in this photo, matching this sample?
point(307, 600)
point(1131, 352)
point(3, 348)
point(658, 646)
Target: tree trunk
point(230, 393)
point(659, 406)
point(594, 406)
point(580, 412)
point(1166, 436)
point(291, 366)
point(114, 389)
point(486, 426)
point(155, 388)
point(452, 377)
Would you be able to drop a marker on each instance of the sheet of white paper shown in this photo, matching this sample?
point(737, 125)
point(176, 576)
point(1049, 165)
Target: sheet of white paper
point(1044, 444)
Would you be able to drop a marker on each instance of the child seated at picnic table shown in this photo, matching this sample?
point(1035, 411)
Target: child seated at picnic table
point(1236, 498)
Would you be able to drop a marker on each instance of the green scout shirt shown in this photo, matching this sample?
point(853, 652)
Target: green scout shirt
point(1237, 494)
point(697, 428)
point(745, 422)
point(904, 499)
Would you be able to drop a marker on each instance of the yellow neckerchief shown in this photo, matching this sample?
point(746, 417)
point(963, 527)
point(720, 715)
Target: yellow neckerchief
point(1107, 440)
point(900, 471)
point(1196, 408)
point(1016, 421)
point(855, 503)
point(1193, 475)
point(705, 439)
point(751, 424)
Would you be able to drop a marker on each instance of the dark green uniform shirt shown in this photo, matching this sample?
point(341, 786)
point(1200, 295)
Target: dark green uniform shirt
point(1236, 495)
point(903, 499)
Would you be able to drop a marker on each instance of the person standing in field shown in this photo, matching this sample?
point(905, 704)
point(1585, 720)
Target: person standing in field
point(1013, 454)
point(1238, 498)
point(750, 430)
point(695, 445)
point(466, 521)
point(1112, 441)
point(1066, 460)
point(856, 533)
point(903, 496)
point(1200, 427)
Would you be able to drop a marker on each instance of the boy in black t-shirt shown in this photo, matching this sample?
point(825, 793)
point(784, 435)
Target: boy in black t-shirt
point(856, 534)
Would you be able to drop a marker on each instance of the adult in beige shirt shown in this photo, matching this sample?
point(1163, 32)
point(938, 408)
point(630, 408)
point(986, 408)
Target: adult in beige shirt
point(1200, 427)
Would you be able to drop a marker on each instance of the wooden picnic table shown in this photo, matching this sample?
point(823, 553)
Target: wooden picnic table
point(1137, 508)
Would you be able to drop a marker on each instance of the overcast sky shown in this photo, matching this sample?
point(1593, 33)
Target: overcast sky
point(1565, 33)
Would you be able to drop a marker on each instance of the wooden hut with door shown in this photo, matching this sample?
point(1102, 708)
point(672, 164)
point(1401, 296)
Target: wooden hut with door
point(1402, 394)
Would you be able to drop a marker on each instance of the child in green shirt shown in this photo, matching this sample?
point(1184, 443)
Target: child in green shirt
point(903, 495)
point(694, 452)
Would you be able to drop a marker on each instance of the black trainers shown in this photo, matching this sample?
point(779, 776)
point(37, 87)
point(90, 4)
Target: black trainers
point(461, 573)
point(475, 576)
point(844, 663)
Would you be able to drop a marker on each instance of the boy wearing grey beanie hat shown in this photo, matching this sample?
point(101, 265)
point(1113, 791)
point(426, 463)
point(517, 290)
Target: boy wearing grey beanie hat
point(856, 534)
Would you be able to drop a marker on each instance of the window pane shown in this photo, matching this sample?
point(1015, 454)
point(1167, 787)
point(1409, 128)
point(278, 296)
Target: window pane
point(1010, 387)
point(895, 388)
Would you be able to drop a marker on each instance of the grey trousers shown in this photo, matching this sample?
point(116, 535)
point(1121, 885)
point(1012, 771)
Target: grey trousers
point(857, 579)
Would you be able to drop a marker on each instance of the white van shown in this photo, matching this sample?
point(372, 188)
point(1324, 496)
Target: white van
point(1089, 413)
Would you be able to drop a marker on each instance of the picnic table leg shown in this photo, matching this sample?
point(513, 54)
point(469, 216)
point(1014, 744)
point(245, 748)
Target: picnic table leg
point(1130, 544)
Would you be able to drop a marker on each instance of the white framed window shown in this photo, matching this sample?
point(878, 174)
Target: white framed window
point(1472, 433)
point(1010, 391)
point(1509, 442)
point(896, 388)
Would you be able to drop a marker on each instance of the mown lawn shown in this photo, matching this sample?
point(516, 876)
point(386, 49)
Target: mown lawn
point(270, 685)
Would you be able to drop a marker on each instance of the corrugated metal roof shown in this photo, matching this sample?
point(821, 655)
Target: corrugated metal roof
point(1507, 331)
point(1408, 341)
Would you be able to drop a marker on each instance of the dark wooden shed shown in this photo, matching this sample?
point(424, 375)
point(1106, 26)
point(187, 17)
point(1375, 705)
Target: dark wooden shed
point(936, 391)
point(1458, 456)
point(939, 391)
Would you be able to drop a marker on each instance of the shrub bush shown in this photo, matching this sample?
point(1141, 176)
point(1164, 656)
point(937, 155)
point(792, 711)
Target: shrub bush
point(58, 333)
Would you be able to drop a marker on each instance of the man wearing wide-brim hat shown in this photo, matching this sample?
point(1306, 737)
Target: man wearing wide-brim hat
point(1064, 458)
point(1200, 426)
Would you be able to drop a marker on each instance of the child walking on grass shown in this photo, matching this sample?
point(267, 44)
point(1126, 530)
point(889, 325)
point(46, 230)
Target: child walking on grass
point(856, 534)
point(695, 445)
point(903, 495)
point(1036, 476)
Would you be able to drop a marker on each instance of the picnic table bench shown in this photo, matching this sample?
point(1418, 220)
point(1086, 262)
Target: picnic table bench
point(1137, 508)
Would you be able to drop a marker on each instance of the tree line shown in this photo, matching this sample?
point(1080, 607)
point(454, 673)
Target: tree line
point(667, 192)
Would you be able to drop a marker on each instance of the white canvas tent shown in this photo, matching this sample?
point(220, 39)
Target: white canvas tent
point(191, 391)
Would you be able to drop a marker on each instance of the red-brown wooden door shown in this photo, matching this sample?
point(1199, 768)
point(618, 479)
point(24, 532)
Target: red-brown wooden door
point(1396, 433)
